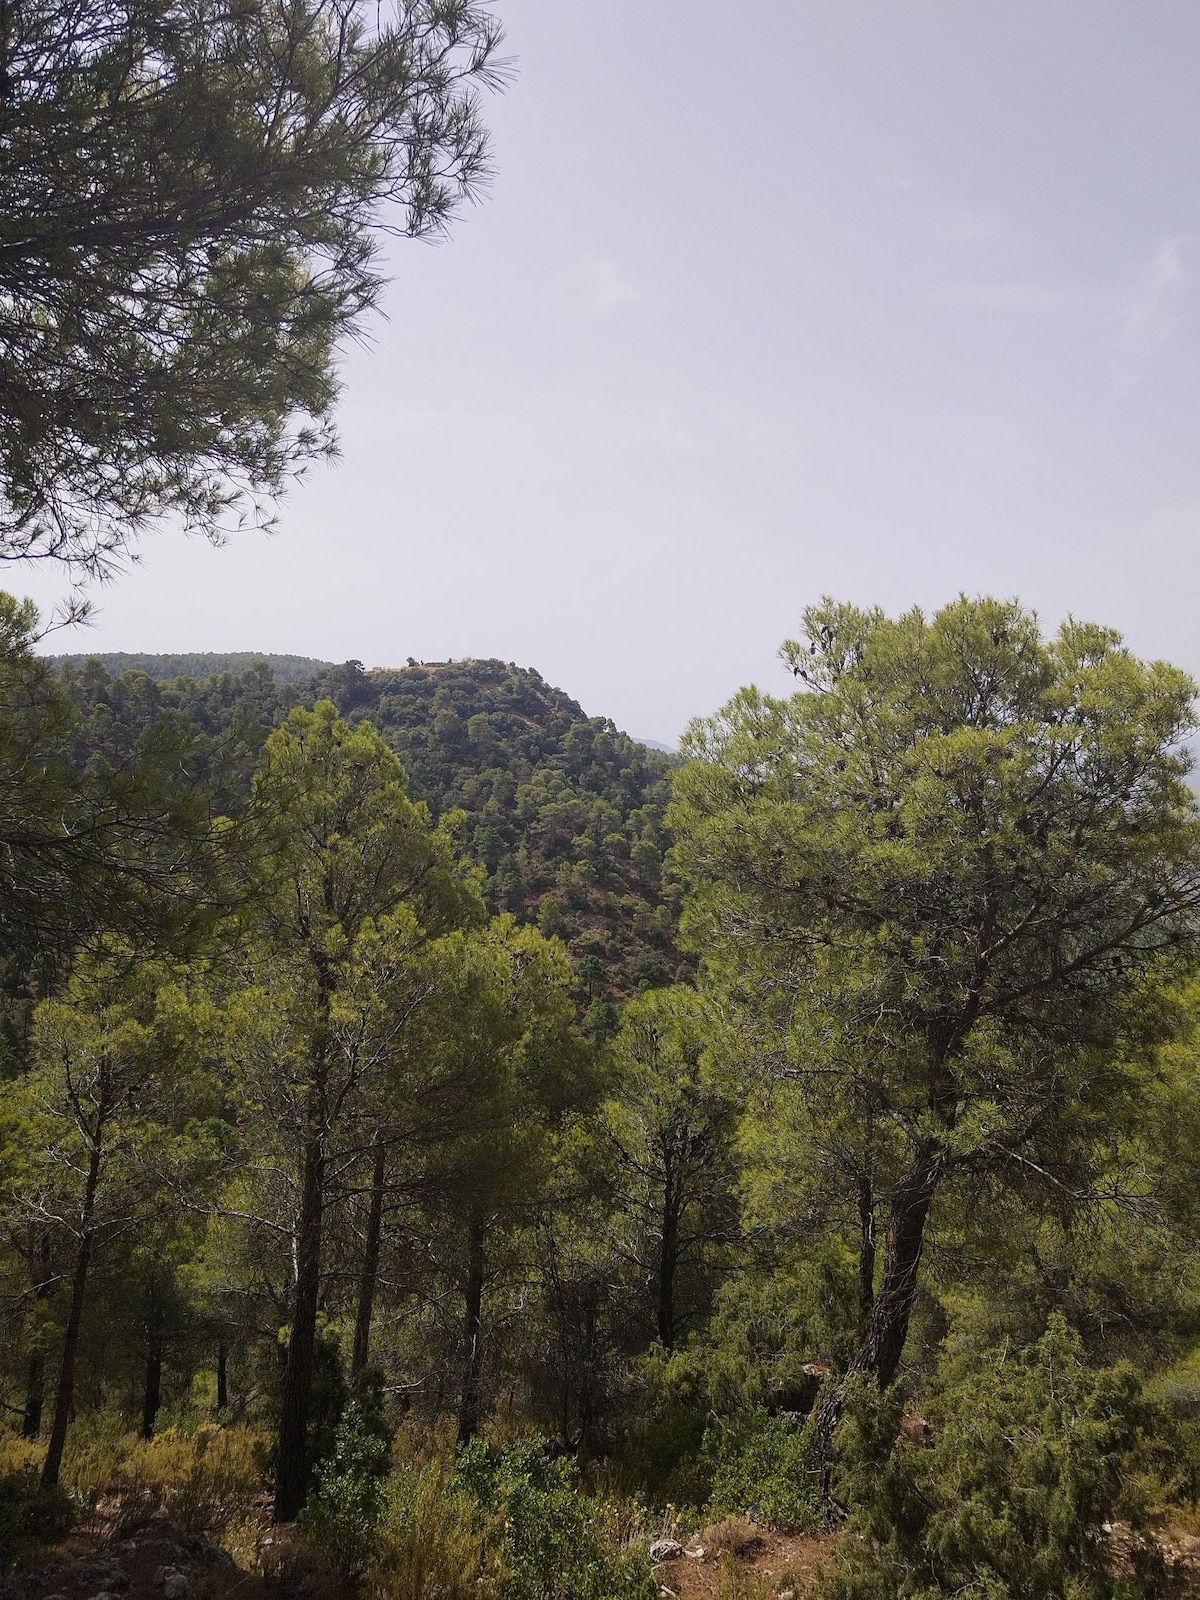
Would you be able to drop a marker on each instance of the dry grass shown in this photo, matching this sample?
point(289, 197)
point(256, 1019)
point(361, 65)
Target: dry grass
point(20, 1455)
point(208, 1481)
point(735, 1536)
point(203, 1481)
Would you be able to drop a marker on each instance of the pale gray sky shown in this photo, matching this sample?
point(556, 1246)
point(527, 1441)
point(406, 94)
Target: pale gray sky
point(768, 300)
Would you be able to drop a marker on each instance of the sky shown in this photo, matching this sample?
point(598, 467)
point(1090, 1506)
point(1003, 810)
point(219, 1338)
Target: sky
point(882, 299)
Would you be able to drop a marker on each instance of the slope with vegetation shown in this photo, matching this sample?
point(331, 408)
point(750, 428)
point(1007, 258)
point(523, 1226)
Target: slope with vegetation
point(564, 811)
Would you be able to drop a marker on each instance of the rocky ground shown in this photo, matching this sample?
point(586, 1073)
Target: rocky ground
point(154, 1559)
point(738, 1561)
point(148, 1560)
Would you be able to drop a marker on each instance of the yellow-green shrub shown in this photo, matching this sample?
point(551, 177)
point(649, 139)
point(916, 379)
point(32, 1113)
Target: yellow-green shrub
point(20, 1455)
point(433, 1542)
point(203, 1480)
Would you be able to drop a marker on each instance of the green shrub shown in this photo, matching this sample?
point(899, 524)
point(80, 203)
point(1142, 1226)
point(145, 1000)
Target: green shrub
point(556, 1541)
point(27, 1511)
point(1031, 1453)
point(754, 1356)
point(663, 1457)
point(344, 1513)
point(763, 1467)
point(509, 1524)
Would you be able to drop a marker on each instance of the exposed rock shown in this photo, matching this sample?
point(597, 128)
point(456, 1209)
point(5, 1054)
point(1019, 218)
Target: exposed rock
point(665, 1550)
point(106, 1575)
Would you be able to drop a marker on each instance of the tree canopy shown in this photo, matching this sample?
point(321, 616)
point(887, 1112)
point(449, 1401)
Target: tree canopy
point(86, 846)
point(957, 865)
point(191, 199)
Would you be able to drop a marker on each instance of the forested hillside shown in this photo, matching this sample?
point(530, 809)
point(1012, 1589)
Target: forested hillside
point(563, 811)
point(372, 1160)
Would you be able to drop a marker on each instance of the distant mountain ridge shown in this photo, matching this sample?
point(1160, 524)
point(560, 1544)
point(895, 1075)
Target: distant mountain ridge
point(284, 668)
point(198, 664)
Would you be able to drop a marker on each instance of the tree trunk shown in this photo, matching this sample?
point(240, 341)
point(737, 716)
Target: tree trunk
point(35, 1396)
point(222, 1376)
point(667, 1262)
point(65, 1392)
point(470, 1408)
point(866, 1253)
point(153, 1395)
point(887, 1327)
point(589, 1367)
point(292, 1465)
point(35, 1383)
point(370, 1267)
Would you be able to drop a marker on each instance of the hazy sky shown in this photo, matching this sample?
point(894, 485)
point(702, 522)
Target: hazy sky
point(769, 299)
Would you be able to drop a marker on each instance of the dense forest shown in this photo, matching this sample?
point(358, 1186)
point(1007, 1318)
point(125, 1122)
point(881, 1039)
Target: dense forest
point(518, 1158)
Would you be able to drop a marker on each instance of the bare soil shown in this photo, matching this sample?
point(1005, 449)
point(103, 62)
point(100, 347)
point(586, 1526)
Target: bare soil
point(771, 1565)
point(775, 1565)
